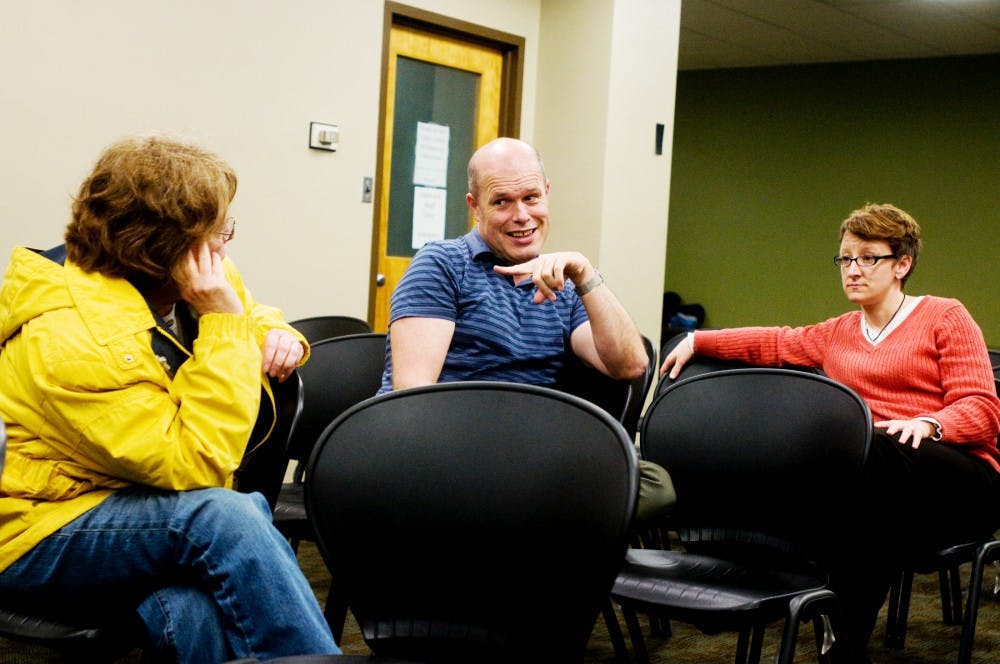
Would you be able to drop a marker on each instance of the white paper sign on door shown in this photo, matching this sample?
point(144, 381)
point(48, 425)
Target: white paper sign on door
point(430, 161)
point(428, 215)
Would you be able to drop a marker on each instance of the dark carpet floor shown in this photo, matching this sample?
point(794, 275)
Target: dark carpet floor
point(929, 641)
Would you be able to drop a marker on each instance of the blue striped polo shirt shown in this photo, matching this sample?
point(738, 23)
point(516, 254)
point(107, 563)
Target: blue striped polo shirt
point(500, 334)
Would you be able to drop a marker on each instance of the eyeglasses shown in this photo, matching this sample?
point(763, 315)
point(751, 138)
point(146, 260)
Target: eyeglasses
point(231, 225)
point(844, 262)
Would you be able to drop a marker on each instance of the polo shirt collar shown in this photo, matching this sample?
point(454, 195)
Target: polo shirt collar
point(478, 248)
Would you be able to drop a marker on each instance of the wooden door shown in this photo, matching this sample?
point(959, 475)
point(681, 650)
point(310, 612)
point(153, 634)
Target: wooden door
point(442, 101)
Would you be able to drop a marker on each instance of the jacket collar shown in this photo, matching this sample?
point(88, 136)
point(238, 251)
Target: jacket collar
point(111, 307)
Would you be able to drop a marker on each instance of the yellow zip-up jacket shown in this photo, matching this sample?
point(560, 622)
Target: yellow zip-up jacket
point(91, 407)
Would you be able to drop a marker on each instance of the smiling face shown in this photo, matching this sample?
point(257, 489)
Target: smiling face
point(509, 198)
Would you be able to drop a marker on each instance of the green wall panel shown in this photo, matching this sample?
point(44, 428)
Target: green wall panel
point(768, 161)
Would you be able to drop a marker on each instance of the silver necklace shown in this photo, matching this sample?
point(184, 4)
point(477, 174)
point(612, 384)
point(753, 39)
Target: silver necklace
point(884, 327)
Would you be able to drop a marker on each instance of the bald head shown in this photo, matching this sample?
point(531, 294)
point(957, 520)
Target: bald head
point(496, 154)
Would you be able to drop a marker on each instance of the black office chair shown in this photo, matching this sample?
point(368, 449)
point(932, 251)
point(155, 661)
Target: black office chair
point(473, 521)
point(945, 563)
point(263, 466)
point(316, 328)
point(83, 637)
point(640, 390)
point(622, 399)
point(752, 452)
point(341, 371)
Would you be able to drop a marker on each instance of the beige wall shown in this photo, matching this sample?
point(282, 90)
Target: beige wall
point(245, 77)
point(607, 74)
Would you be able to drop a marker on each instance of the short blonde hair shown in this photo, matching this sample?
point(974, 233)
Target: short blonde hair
point(148, 199)
point(887, 223)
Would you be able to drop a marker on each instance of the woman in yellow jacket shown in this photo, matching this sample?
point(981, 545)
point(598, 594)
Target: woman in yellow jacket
point(131, 370)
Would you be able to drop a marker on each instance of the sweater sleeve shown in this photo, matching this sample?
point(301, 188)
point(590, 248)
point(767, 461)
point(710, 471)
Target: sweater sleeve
point(768, 346)
point(971, 410)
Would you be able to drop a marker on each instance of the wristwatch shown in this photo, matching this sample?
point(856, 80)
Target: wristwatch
point(590, 284)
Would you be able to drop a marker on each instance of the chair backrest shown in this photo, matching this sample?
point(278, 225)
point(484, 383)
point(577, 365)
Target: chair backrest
point(589, 384)
point(622, 399)
point(263, 466)
point(473, 521)
point(757, 449)
point(341, 371)
point(640, 390)
point(327, 327)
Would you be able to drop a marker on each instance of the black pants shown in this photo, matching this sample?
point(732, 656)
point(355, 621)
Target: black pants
point(910, 501)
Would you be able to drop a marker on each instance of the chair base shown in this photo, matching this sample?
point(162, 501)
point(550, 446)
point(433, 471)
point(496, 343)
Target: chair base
point(946, 563)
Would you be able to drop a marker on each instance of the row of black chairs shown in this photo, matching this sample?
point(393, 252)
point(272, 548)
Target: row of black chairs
point(435, 419)
point(342, 347)
point(451, 537)
point(414, 485)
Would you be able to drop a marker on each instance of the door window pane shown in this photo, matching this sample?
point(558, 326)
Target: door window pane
point(427, 92)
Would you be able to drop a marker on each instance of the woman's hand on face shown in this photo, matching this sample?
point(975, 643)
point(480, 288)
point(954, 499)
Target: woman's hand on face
point(207, 289)
point(281, 353)
point(910, 431)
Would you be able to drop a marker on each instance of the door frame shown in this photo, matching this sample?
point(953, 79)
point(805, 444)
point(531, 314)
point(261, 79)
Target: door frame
point(511, 48)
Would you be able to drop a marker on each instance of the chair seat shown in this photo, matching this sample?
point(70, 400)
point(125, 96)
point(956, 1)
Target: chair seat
point(290, 512)
point(99, 640)
point(952, 555)
point(44, 629)
point(696, 588)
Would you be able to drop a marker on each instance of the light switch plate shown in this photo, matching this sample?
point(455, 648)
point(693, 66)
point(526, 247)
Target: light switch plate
point(324, 136)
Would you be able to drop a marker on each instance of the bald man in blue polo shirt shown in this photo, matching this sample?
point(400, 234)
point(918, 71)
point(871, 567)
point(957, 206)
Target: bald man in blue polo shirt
point(491, 306)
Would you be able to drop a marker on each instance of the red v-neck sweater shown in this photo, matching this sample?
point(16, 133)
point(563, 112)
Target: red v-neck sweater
point(934, 364)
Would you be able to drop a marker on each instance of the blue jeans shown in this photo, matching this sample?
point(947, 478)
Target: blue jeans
point(211, 577)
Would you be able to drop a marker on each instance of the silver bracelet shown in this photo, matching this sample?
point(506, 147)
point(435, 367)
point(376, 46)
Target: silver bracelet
point(590, 284)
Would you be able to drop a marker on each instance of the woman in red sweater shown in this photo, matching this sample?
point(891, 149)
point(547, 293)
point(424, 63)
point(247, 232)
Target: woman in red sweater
point(921, 365)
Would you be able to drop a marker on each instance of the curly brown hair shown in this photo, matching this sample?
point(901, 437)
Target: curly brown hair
point(886, 222)
point(146, 202)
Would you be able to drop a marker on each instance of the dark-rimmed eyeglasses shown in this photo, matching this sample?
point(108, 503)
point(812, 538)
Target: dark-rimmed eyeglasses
point(843, 262)
point(228, 235)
